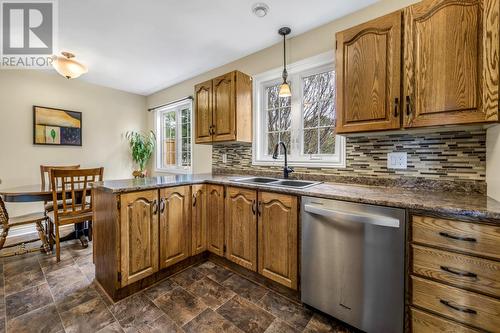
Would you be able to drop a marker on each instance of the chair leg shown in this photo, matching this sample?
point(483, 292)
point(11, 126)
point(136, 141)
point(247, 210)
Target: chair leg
point(58, 246)
point(50, 233)
point(90, 230)
point(3, 237)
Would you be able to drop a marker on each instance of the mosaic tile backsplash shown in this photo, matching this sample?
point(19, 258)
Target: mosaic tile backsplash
point(453, 156)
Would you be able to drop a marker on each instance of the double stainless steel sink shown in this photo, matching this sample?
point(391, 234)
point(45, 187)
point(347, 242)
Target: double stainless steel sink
point(300, 184)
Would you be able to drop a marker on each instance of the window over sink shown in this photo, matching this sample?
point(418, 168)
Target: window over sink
point(305, 122)
point(174, 138)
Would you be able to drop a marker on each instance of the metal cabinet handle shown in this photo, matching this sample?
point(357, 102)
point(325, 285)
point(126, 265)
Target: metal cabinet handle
point(194, 200)
point(155, 207)
point(460, 238)
point(457, 307)
point(396, 107)
point(259, 209)
point(254, 205)
point(162, 205)
point(458, 272)
point(408, 106)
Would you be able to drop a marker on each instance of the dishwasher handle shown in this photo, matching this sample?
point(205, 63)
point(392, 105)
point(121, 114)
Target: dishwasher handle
point(373, 219)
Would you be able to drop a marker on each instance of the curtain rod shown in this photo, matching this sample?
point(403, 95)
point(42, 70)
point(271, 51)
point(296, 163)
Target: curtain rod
point(167, 104)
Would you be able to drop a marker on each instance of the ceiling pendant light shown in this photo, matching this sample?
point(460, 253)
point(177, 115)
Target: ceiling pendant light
point(284, 87)
point(67, 66)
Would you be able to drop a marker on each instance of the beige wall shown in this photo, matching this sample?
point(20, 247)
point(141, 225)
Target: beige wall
point(493, 161)
point(314, 42)
point(107, 115)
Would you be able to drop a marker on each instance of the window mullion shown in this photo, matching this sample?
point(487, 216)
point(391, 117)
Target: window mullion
point(296, 114)
point(178, 138)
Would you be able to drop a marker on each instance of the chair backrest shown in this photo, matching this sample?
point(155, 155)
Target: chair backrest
point(4, 216)
point(45, 172)
point(73, 184)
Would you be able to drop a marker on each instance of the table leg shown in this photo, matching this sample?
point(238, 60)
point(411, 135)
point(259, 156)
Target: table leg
point(43, 237)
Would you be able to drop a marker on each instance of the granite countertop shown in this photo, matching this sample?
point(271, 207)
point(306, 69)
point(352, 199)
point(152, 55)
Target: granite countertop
point(450, 203)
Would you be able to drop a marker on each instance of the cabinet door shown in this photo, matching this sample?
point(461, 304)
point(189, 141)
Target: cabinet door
point(175, 232)
point(369, 76)
point(139, 235)
point(451, 53)
point(215, 212)
point(203, 112)
point(277, 230)
point(224, 107)
point(241, 227)
point(199, 219)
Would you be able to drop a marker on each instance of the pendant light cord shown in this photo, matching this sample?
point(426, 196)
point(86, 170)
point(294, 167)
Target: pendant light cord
point(285, 74)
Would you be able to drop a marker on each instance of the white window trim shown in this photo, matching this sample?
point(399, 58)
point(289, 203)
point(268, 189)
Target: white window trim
point(306, 67)
point(178, 169)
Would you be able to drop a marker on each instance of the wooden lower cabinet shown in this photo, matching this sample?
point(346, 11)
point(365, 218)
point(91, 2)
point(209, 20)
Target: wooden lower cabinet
point(241, 227)
point(215, 219)
point(175, 226)
point(277, 238)
point(138, 236)
point(199, 219)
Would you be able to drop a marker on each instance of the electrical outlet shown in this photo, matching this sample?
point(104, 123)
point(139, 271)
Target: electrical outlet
point(224, 158)
point(397, 160)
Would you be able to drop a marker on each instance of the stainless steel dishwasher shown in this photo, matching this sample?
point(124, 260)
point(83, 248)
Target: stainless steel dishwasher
point(353, 263)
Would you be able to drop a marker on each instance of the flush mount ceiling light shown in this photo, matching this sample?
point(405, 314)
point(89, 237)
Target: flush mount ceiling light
point(260, 9)
point(285, 87)
point(67, 66)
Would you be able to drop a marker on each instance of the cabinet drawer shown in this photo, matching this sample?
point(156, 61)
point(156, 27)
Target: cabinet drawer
point(479, 239)
point(463, 306)
point(461, 270)
point(422, 322)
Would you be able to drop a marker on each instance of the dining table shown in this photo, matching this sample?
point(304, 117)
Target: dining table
point(40, 193)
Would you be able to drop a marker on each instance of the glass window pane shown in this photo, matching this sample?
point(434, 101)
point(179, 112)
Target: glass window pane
point(327, 140)
point(327, 113)
point(272, 97)
point(311, 115)
point(326, 85)
point(311, 89)
point(286, 138)
point(186, 115)
point(310, 141)
point(285, 119)
point(273, 121)
point(272, 140)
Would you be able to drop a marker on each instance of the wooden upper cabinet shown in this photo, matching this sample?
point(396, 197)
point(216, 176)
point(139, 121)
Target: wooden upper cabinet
point(278, 237)
point(215, 219)
point(199, 219)
point(368, 76)
point(223, 111)
point(451, 62)
point(241, 227)
point(203, 116)
point(175, 227)
point(139, 235)
point(224, 107)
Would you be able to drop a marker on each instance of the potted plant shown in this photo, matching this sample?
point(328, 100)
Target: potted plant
point(142, 147)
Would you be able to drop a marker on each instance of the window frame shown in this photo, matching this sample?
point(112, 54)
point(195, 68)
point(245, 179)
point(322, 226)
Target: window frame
point(177, 108)
point(297, 71)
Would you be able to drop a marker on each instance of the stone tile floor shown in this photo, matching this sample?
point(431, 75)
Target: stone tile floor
point(40, 295)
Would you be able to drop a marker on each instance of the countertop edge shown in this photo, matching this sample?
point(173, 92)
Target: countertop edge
point(478, 214)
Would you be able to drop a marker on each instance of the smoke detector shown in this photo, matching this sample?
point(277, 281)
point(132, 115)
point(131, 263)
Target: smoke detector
point(260, 9)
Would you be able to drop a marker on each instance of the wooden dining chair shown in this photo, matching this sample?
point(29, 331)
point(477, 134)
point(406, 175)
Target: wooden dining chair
point(75, 194)
point(45, 176)
point(7, 222)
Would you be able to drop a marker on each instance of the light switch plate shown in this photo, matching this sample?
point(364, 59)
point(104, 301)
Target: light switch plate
point(224, 158)
point(397, 160)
